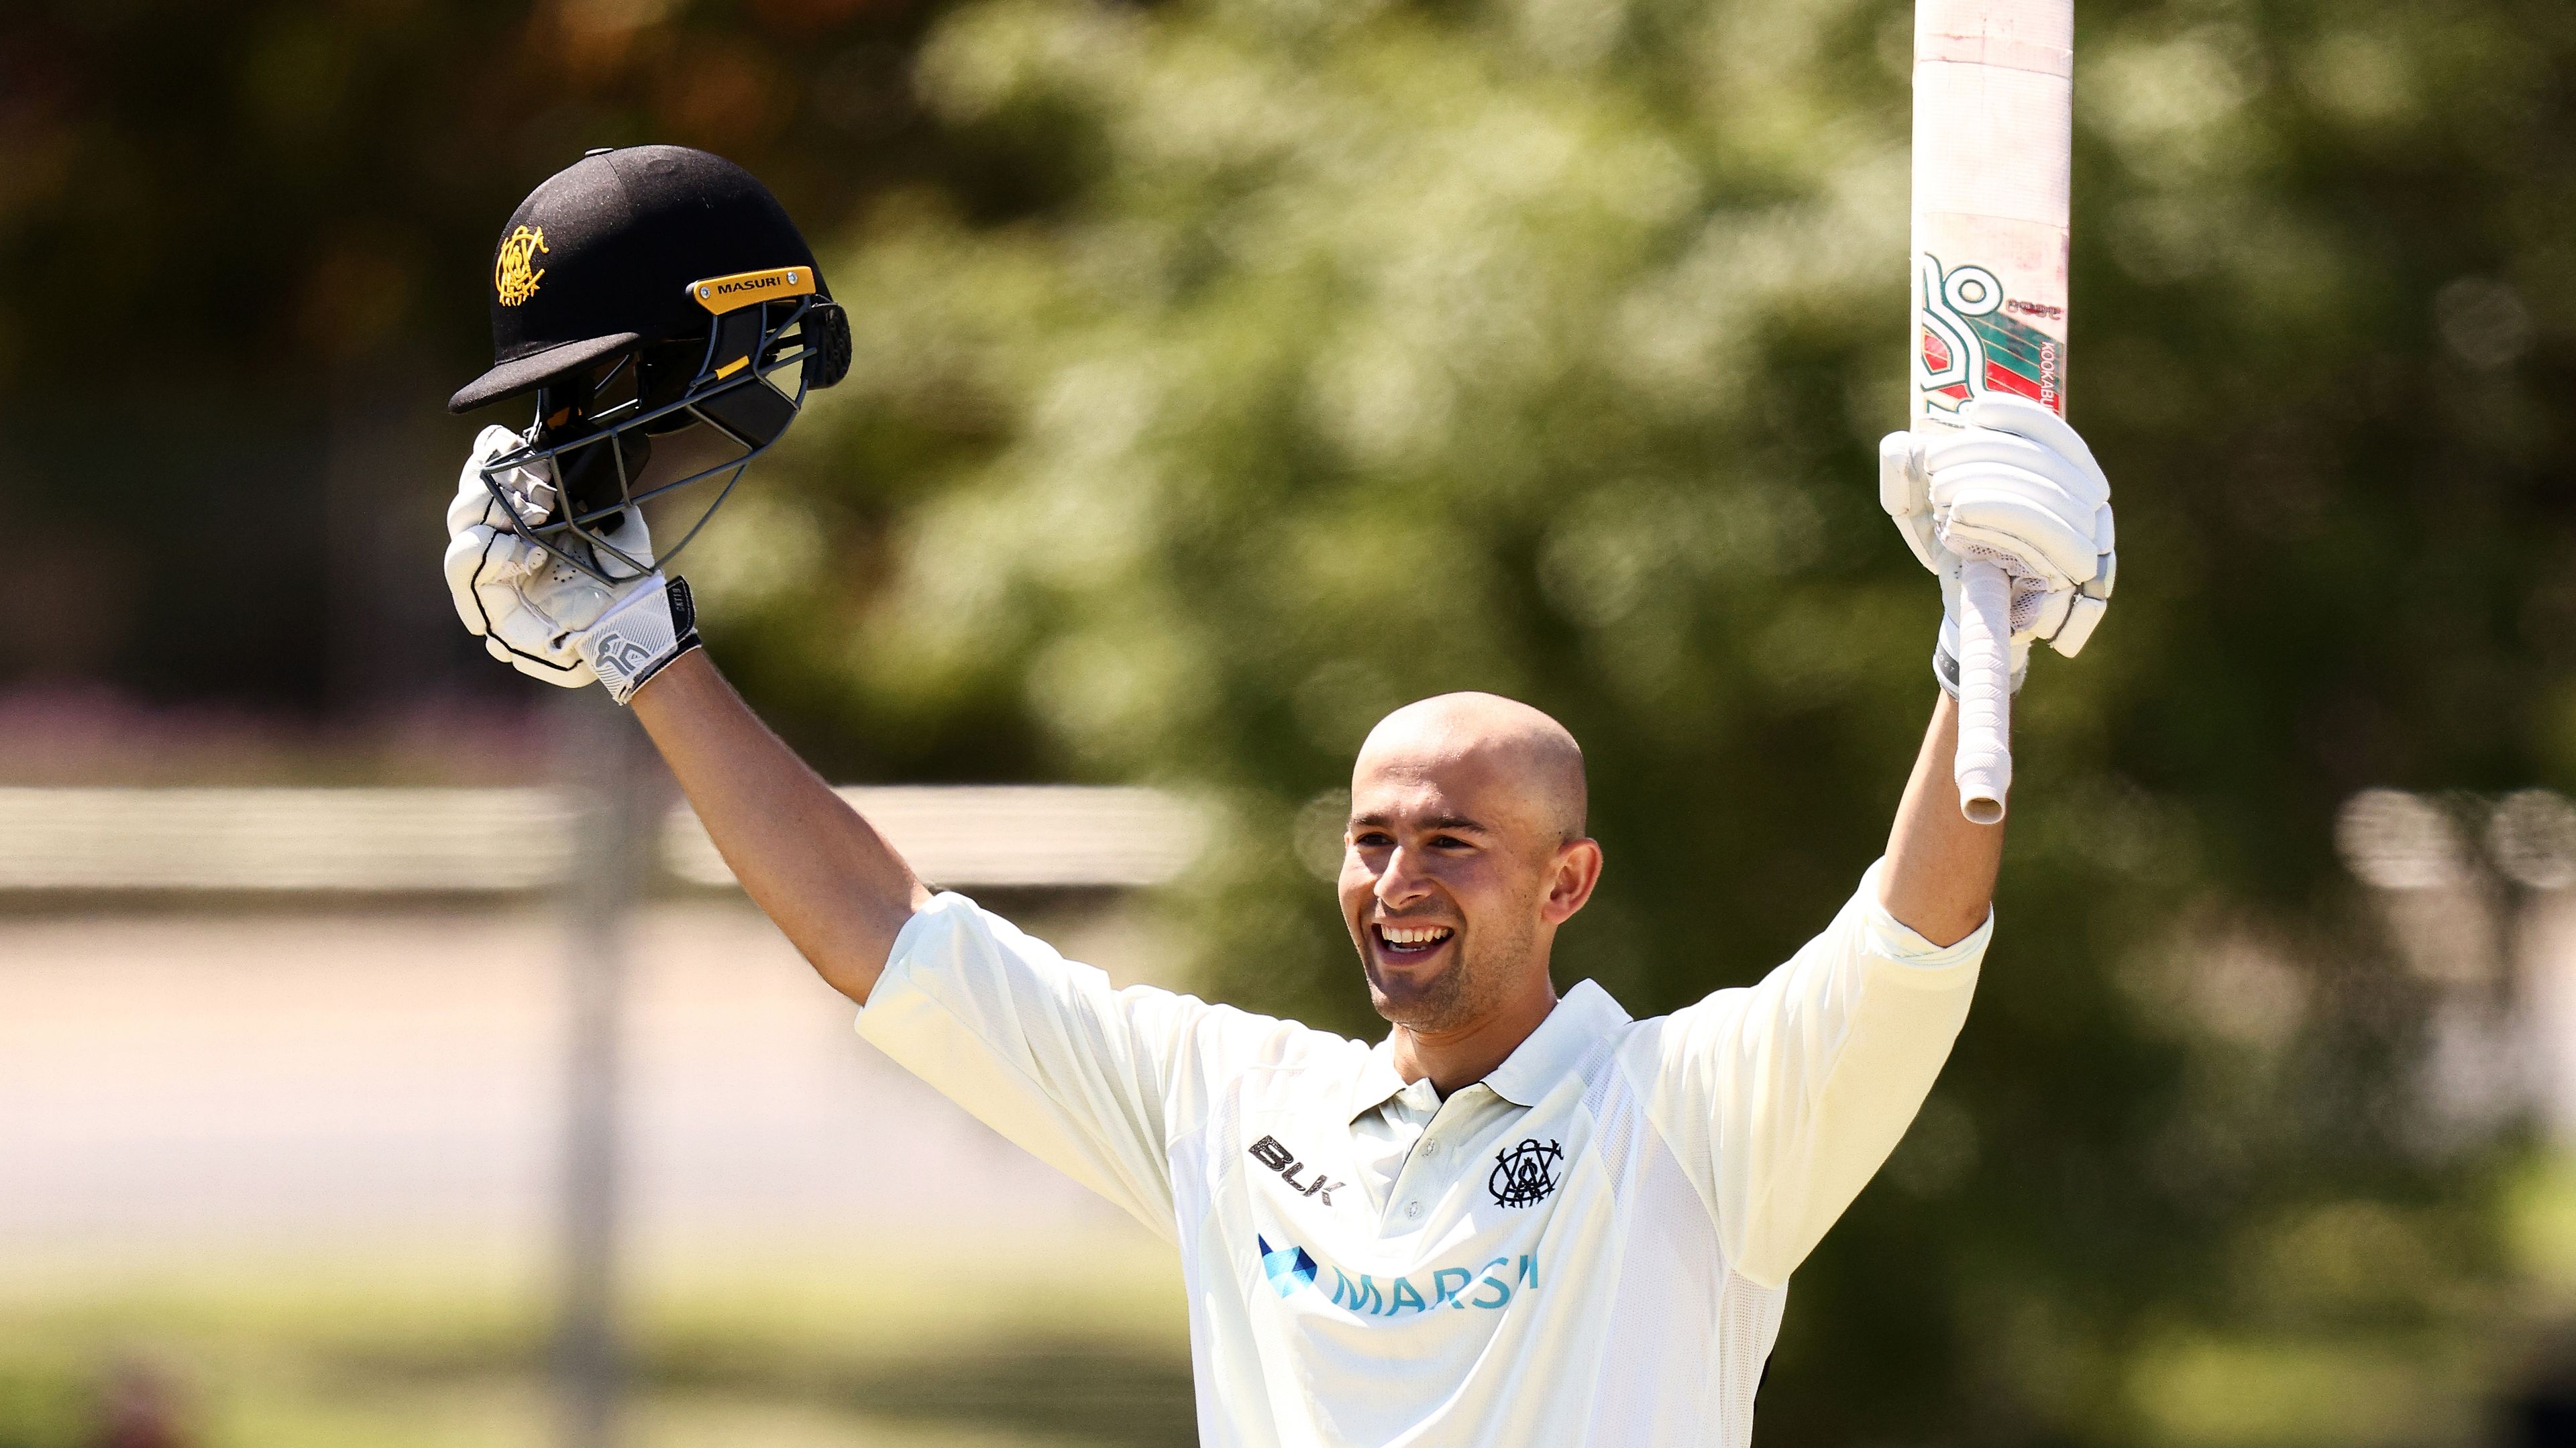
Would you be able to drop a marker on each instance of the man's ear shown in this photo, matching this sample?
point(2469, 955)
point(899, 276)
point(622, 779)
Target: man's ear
point(1569, 888)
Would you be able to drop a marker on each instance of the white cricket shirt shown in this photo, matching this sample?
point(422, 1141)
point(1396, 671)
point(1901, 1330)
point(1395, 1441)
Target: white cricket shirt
point(1590, 1247)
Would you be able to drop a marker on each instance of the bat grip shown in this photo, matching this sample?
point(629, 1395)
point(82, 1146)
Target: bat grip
point(1984, 768)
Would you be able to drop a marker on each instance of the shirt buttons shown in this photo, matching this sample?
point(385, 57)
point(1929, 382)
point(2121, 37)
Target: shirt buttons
point(1413, 1209)
point(1430, 1148)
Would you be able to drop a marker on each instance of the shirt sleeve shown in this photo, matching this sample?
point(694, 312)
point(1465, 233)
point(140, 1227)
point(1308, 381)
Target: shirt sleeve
point(1782, 1099)
point(1094, 1081)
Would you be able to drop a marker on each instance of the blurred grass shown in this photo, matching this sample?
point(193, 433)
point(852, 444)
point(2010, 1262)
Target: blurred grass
point(2234, 1392)
point(2542, 1216)
point(935, 1349)
point(2415, 1385)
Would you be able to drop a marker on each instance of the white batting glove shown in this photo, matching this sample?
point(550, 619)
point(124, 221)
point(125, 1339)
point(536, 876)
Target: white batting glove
point(542, 616)
point(2016, 487)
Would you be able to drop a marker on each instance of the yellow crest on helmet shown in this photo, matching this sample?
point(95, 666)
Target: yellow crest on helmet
point(515, 275)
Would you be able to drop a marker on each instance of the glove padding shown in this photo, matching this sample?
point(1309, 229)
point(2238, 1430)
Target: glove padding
point(2018, 488)
point(542, 616)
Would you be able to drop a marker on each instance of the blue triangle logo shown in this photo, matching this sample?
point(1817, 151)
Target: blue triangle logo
point(1289, 1267)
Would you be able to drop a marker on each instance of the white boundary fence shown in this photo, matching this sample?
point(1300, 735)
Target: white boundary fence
point(499, 840)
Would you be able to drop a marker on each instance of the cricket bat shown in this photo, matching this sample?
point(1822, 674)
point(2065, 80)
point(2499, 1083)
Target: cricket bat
point(1993, 83)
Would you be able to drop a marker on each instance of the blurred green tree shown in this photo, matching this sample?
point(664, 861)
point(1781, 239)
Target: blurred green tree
point(1335, 356)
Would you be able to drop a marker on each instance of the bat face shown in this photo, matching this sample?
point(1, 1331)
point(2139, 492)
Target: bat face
point(1993, 82)
point(1993, 92)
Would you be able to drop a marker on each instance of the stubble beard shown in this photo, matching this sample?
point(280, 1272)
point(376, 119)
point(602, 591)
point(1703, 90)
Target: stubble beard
point(1457, 996)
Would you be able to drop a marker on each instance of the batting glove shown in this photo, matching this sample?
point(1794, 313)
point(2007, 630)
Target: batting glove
point(539, 614)
point(2015, 487)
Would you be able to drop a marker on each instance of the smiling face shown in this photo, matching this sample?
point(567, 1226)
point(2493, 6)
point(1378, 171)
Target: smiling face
point(1464, 854)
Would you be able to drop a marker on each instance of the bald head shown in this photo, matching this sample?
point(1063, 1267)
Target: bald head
point(1465, 853)
point(1534, 767)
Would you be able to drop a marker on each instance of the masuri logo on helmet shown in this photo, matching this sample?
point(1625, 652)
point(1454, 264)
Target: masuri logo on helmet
point(723, 294)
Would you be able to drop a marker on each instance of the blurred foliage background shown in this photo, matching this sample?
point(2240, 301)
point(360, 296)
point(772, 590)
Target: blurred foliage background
point(1230, 371)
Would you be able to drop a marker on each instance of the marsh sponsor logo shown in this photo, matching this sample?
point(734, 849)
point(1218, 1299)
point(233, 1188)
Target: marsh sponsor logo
point(1490, 1288)
point(1289, 1267)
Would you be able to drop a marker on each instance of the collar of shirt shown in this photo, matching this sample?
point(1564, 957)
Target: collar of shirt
point(1584, 1015)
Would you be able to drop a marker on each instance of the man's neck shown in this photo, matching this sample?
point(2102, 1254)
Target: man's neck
point(1468, 1054)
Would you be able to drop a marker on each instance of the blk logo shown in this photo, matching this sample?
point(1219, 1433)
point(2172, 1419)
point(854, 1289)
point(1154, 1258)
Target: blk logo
point(1271, 1154)
point(1526, 1173)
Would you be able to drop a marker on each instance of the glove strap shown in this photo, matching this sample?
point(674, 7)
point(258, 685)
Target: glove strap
point(684, 622)
point(632, 644)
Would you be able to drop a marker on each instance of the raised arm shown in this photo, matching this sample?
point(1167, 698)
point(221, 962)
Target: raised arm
point(818, 869)
point(834, 885)
point(2014, 486)
point(1784, 1098)
point(1939, 880)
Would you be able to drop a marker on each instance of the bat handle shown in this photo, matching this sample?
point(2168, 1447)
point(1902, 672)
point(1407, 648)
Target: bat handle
point(1984, 768)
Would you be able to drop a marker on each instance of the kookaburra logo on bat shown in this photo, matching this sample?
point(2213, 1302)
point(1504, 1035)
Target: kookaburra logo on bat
point(1972, 340)
point(1949, 354)
point(515, 274)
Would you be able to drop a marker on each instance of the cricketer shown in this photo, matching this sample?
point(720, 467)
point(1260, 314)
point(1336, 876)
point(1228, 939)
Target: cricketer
point(1520, 1218)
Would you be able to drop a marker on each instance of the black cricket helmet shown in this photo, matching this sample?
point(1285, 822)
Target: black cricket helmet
point(639, 292)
